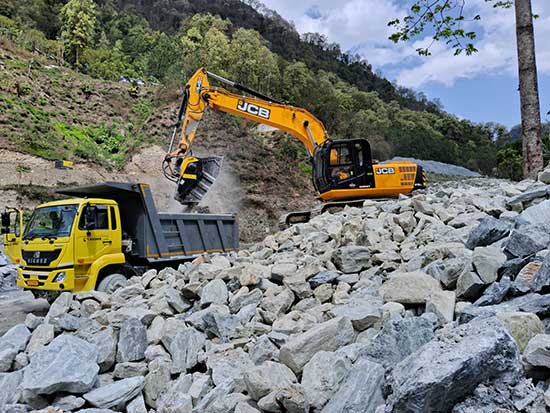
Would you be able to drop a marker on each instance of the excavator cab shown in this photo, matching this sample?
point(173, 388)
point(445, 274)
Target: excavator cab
point(343, 164)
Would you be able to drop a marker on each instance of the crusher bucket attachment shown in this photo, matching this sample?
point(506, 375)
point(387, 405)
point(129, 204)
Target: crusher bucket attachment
point(198, 176)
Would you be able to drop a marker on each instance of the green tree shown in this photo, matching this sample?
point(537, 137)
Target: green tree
point(445, 18)
point(78, 26)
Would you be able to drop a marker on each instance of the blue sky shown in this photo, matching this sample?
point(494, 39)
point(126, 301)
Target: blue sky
point(482, 87)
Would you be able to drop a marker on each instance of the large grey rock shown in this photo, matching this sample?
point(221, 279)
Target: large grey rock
point(529, 303)
point(244, 297)
point(68, 403)
point(537, 352)
point(264, 350)
point(397, 339)
point(409, 288)
point(523, 282)
point(489, 231)
point(327, 336)
point(442, 304)
point(323, 277)
point(527, 240)
point(137, 405)
point(360, 392)
point(267, 377)
point(537, 214)
point(67, 364)
point(42, 335)
point(447, 369)
point(521, 326)
point(352, 258)
point(487, 261)
point(447, 271)
point(132, 341)
point(15, 338)
point(59, 307)
point(469, 285)
point(115, 394)
point(322, 376)
point(362, 313)
point(176, 398)
point(184, 349)
point(16, 305)
point(541, 280)
point(6, 358)
point(9, 385)
point(130, 369)
point(495, 293)
point(215, 292)
point(156, 381)
point(105, 339)
point(230, 367)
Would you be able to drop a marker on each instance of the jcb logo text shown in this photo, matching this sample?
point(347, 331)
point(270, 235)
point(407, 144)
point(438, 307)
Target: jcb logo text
point(385, 171)
point(254, 109)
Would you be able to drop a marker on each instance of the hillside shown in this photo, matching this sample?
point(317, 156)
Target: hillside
point(110, 135)
point(166, 41)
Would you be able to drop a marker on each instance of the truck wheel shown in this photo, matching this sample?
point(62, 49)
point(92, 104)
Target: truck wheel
point(111, 283)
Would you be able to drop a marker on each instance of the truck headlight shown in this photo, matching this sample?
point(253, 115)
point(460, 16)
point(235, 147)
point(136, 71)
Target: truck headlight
point(60, 277)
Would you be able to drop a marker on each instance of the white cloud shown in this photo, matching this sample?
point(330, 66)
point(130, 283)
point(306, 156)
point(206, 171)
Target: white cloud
point(362, 25)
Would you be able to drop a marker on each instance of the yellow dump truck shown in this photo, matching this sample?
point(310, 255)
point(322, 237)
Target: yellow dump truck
point(110, 232)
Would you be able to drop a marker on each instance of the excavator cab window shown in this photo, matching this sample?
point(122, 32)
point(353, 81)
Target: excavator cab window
point(344, 164)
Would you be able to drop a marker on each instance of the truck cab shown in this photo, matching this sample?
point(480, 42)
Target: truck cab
point(110, 233)
point(65, 243)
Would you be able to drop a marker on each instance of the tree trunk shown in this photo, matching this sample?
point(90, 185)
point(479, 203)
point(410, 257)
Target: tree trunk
point(528, 90)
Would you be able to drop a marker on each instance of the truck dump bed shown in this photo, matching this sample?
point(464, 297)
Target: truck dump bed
point(161, 237)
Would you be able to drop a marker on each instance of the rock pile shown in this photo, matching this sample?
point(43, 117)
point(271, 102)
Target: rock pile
point(7, 274)
point(438, 302)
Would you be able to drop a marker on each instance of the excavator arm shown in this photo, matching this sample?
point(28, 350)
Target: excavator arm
point(193, 175)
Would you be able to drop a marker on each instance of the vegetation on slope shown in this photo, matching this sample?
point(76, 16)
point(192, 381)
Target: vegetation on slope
point(166, 42)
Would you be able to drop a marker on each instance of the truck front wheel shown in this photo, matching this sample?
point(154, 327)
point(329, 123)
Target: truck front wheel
point(111, 283)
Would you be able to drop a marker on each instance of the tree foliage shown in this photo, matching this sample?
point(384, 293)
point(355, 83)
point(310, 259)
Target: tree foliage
point(78, 26)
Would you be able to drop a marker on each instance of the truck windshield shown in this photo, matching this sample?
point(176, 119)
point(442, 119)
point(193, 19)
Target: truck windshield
point(51, 222)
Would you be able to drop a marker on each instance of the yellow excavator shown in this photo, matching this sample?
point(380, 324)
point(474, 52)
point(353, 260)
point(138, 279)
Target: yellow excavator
point(343, 170)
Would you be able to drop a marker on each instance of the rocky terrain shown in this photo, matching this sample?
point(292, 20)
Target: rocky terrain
point(438, 302)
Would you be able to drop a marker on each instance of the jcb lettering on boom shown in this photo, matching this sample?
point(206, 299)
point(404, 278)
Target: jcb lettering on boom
point(254, 109)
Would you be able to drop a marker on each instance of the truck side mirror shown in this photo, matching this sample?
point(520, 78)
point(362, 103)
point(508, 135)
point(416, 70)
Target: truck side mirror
point(91, 214)
point(5, 220)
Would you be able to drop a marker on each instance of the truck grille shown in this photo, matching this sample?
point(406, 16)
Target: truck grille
point(40, 257)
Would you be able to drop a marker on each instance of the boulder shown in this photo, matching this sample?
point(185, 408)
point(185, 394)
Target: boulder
point(523, 282)
point(230, 367)
point(132, 341)
point(487, 261)
point(521, 326)
point(176, 398)
point(9, 383)
point(489, 231)
point(469, 285)
point(104, 339)
point(527, 240)
point(42, 335)
point(360, 392)
point(409, 288)
point(398, 338)
point(352, 258)
point(323, 277)
point(541, 279)
point(495, 293)
point(537, 352)
point(537, 214)
point(116, 394)
point(449, 368)
point(6, 358)
point(156, 381)
point(67, 364)
point(327, 336)
point(322, 376)
point(442, 304)
point(267, 377)
point(15, 338)
point(215, 292)
point(362, 313)
point(447, 271)
point(184, 349)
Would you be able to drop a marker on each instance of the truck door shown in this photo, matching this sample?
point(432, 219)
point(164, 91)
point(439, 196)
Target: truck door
point(94, 236)
point(12, 225)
